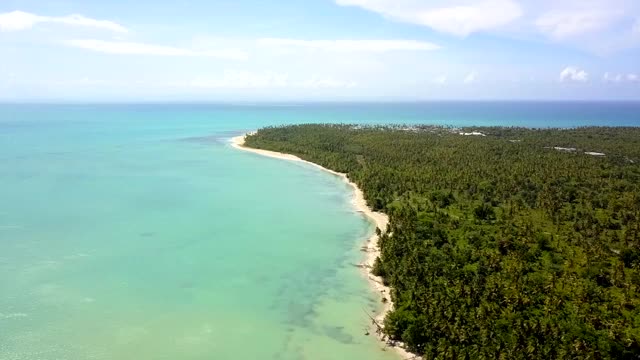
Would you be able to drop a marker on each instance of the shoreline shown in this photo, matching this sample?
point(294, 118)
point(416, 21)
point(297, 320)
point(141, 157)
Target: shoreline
point(370, 247)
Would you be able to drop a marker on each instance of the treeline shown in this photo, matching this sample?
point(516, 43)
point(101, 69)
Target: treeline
point(513, 245)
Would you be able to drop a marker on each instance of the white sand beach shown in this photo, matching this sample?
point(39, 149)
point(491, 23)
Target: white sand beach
point(371, 248)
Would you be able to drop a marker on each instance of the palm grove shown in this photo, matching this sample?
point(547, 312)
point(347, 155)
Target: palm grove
point(512, 245)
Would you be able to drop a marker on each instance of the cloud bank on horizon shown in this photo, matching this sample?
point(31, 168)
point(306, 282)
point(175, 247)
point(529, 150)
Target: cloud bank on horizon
point(326, 49)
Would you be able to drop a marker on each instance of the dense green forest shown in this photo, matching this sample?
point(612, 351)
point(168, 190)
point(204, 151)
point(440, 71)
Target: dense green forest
point(521, 244)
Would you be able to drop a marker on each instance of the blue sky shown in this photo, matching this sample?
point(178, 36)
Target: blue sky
point(95, 50)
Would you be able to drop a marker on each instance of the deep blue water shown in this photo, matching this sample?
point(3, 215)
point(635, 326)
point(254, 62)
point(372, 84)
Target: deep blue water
point(524, 114)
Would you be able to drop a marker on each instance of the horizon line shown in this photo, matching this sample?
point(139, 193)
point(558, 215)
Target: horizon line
point(304, 102)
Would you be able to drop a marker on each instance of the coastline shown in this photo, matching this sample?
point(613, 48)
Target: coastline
point(370, 248)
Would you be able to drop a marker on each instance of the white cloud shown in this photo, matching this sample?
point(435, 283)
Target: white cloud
point(440, 80)
point(562, 24)
point(133, 48)
point(328, 83)
point(20, 20)
point(462, 18)
point(471, 77)
point(619, 78)
point(350, 45)
point(615, 78)
point(599, 26)
point(234, 79)
point(603, 27)
point(574, 74)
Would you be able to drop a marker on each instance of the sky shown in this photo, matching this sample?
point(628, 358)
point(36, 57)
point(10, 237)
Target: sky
point(352, 50)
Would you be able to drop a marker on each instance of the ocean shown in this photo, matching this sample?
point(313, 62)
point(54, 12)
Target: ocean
point(138, 232)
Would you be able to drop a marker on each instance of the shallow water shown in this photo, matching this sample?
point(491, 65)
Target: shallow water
point(137, 232)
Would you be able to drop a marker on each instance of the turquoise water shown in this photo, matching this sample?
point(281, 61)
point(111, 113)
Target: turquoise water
point(137, 232)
